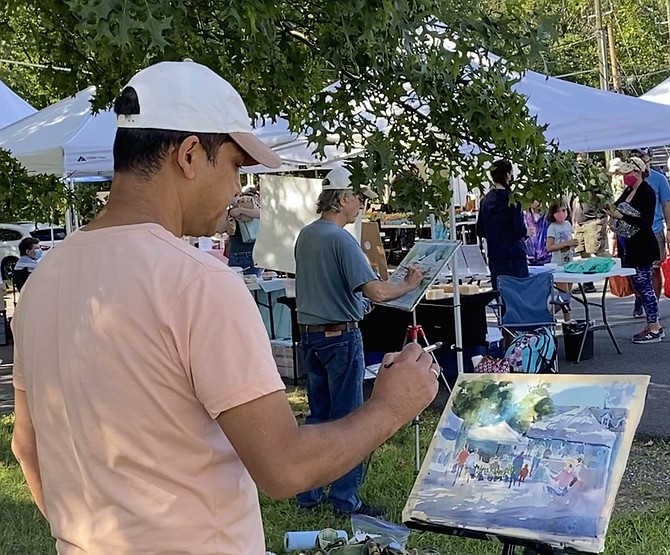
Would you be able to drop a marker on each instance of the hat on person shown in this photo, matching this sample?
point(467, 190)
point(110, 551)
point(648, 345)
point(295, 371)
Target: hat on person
point(339, 179)
point(641, 152)
point(614, 165)
point(633, 164)
point(190, 97)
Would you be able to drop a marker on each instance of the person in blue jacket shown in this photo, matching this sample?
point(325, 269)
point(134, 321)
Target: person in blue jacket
point(502, 225)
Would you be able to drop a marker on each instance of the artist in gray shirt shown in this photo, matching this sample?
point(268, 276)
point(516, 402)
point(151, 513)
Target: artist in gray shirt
point(332, 276)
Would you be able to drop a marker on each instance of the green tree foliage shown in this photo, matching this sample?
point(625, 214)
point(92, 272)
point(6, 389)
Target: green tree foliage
point(28, 198)
point(40, 198)
point(393, 61)
point(488, 401)
point(640, 35)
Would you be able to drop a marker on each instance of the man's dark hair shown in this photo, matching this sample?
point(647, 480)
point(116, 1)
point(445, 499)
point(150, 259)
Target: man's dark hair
point(499, 171)
point(142, 151)
point(26, 244)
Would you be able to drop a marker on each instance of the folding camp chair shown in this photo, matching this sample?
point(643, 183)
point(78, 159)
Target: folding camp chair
point(19, 278)
point(526, 305)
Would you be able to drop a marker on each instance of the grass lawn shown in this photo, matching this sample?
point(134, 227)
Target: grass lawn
point(640, 526)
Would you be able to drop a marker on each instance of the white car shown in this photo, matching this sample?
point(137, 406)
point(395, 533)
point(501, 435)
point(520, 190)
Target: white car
point(12, 234)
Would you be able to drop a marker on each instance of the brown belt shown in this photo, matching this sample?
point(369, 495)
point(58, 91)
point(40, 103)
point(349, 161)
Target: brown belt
point(338, 326)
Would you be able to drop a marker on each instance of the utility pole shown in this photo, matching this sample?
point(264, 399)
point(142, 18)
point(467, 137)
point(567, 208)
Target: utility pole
point(616, 77)
point(602, 47)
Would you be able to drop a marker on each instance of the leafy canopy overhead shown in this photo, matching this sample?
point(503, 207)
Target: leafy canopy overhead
point(407, 63)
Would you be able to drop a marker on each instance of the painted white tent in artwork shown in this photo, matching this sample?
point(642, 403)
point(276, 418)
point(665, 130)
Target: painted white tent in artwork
point(12, 107)
point(501, 433)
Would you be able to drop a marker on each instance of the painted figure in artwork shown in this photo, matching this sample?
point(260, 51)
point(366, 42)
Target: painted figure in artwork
point(517, 465)
point(461, 459)
point(565, 479)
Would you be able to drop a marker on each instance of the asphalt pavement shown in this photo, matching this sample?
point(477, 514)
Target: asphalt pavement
point(653, 360)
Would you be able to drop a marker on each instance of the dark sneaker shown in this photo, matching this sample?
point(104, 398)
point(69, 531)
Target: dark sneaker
point(637, 309)
point(589, 288)
point(364, 509)
point(647, 336)
point(309, 508)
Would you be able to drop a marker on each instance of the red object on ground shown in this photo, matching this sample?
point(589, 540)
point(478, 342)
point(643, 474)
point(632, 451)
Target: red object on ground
point(665, 271)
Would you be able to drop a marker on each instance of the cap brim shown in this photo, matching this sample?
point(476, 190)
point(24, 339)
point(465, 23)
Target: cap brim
point(256, 150)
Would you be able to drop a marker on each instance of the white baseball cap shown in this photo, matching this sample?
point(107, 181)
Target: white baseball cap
point(633, 164)
point(189, 97)
point(339, 179)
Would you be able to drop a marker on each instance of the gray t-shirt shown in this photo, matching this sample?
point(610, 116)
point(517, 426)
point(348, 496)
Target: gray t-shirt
point(330, 270)
point(560, 233)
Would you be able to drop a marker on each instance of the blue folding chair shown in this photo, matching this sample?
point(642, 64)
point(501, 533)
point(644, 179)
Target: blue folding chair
point(526, 305)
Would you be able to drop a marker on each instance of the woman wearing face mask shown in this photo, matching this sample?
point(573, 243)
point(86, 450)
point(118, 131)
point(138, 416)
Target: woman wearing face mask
point(502, 225)
point(561, 244)
point(633, 220)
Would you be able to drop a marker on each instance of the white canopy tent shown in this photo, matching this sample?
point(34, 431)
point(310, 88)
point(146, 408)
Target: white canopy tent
point(12, 107)
point(660, 94)
point(584, 119)
point(64, 139)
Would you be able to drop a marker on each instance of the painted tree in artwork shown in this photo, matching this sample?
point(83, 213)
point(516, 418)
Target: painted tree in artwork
point(534, 406)
point(481, 402)
point(488, 401)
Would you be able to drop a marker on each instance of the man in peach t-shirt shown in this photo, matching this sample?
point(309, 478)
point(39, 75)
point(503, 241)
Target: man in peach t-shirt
point(138, 430)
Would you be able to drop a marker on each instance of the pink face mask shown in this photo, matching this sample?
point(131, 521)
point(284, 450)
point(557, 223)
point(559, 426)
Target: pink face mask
point(560, 216)
point(630, 180)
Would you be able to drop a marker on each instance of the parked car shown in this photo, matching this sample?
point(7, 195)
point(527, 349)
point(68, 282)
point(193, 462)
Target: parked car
point(12, 234)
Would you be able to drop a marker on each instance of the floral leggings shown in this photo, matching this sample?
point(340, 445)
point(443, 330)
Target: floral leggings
point(642, 281)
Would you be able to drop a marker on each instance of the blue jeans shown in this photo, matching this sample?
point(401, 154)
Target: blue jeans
point(243, 260)
point(335, 370)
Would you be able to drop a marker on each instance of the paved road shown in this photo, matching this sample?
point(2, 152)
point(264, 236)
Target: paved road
point(653, 360)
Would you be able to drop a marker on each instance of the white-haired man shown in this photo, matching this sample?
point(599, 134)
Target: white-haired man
point(332, 277)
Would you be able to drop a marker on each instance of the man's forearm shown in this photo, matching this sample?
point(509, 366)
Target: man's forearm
point(298, 458)
point(383, 291)
point(24, 447)
point(323, 453)
point(27, 457)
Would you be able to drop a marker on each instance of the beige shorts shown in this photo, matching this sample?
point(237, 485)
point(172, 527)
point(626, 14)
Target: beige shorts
point(591, 238)
point(660, 237)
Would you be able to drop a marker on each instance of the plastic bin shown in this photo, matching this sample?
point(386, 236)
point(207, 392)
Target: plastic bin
point(573, 332)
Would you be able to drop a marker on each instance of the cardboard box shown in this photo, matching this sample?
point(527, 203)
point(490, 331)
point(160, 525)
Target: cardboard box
point(282, 351)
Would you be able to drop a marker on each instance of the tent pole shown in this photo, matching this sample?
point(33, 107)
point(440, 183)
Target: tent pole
point(455, 280)
point(68, 212)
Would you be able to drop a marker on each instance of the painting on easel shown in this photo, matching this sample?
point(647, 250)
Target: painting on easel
point(532, 457)
point(429, 256)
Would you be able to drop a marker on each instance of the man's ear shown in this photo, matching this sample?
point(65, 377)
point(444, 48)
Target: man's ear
point(187, 155)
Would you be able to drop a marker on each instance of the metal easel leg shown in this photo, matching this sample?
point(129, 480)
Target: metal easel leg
point(413, 335)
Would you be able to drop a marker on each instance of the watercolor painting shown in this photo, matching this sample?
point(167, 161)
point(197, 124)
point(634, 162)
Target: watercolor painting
point(532, 457)
point(430, 256)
